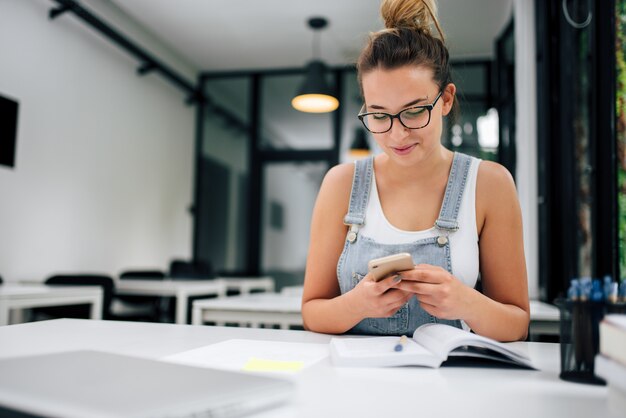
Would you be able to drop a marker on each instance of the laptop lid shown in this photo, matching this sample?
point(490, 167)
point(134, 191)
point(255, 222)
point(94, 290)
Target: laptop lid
point(97, 384)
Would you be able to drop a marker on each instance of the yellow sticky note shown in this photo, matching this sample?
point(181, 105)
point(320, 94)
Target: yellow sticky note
point(262, 365)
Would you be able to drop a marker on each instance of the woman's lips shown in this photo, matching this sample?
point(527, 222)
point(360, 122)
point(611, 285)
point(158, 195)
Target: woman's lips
point(403, 150)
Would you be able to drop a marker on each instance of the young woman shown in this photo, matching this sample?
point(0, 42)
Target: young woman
point(456, 215)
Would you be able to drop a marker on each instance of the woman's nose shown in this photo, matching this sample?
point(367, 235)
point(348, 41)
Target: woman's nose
point(398, 130)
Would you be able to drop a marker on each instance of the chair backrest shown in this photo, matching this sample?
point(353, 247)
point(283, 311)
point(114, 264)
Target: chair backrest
point(103, 281)
point(142, 274)
point(183, 269)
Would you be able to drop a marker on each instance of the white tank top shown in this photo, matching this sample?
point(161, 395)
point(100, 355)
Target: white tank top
point(463, 242)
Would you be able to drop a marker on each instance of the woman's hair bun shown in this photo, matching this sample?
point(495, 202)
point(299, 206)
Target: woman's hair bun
point(411, 14)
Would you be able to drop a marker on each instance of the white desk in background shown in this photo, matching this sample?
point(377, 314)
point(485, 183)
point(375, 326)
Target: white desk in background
point(245, 285)
point(285, 309)
point(292, 290)
point(180, 289)
point(14, 296)
point(252, 310)
point(544, 319)
point(327, 391)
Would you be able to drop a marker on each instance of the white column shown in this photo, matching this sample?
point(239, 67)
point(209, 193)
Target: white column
point(526, 134)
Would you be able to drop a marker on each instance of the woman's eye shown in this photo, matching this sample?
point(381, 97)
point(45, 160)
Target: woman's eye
point(379, 116)
point(412, 113)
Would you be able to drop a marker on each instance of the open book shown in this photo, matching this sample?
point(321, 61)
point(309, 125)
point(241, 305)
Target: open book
point(430, 346)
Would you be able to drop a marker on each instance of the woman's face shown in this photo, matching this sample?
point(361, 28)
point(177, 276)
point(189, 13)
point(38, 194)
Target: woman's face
point(392, 91)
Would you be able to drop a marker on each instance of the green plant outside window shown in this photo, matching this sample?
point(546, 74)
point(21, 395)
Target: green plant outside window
point(620, 106)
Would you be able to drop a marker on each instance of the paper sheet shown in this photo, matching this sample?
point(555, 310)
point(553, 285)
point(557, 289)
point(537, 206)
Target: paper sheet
point(254, 356)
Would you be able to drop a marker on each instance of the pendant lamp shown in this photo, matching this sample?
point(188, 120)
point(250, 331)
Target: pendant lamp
point(315, 96)
point(359, 148)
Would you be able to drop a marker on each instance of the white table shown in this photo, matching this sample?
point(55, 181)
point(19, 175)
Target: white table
point(326, 391)
point(292, 290)
point(23, 296)
point(252, 310)
point(544, 319)
point(180, 289)
point(285, 309)
point(245, 285)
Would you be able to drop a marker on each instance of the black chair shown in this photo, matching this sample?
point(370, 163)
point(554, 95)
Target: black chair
point(194, 270)
point(143, 275)
point(154, 307)
point(82, 311)
point(190, 270)
point(78, 311)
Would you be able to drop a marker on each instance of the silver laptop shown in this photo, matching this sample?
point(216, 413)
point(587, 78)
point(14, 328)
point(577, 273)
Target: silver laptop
point(97, 384)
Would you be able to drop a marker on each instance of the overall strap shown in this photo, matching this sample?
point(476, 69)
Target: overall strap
point(447, 220)
point(355, 218)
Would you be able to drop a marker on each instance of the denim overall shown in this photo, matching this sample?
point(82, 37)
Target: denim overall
point(359, 249)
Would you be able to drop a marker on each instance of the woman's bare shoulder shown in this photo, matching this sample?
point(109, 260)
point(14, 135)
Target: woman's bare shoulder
point(334, 194)
point(338, 179)
point(333, 199)
point(493, 174)
point(495, 187)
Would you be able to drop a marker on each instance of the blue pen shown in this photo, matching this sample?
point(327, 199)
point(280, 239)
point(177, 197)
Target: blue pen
point(585, 288)
point(613, 293)
point(597, 293)
point(400, 345)
point(608, 286)
point(573, 293)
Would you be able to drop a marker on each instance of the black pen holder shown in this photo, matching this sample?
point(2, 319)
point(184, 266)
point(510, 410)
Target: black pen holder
point(580, 337)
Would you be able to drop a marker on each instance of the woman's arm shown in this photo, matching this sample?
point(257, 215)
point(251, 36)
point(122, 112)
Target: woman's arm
point(324, 309)
point(502, 311)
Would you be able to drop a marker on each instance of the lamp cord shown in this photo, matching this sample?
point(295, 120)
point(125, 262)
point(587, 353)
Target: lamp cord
point(316, 45)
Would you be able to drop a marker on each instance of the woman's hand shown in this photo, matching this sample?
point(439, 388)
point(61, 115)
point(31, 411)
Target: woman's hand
point(438, 292)
point(372, 299)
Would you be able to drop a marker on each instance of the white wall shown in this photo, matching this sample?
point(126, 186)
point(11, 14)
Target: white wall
point(104, 163)
point(295, 188)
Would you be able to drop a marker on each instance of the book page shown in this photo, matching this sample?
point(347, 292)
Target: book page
point(379, 346)
point(445, 339)
point(380, 352)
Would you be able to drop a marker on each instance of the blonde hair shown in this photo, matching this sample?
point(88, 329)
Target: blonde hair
point(412, 36)
point(416, 15)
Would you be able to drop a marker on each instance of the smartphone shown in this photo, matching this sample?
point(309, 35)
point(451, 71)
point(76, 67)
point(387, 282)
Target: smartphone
point(384, 266)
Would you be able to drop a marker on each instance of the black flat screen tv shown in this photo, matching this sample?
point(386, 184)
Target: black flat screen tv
point(8, 130)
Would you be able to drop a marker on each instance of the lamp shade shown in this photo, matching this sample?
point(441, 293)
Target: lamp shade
point(315, 96)
point(360, 147)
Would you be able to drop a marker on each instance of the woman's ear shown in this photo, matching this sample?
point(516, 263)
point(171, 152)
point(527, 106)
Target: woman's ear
point(448, 98)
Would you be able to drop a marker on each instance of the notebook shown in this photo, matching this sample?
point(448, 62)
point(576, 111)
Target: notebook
point(98, 385)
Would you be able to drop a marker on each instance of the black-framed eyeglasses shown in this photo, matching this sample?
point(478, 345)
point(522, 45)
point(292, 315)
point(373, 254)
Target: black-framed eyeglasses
point(415, 117)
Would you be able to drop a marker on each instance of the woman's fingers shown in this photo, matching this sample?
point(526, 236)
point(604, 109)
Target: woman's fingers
point(400, 298)
point(391, 280)
point(424, 273)
point(418, 288)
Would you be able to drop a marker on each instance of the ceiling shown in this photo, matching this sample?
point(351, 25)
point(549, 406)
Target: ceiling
point(217, 35)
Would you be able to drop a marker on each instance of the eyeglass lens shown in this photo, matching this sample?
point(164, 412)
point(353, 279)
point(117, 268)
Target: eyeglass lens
point(413, 118)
